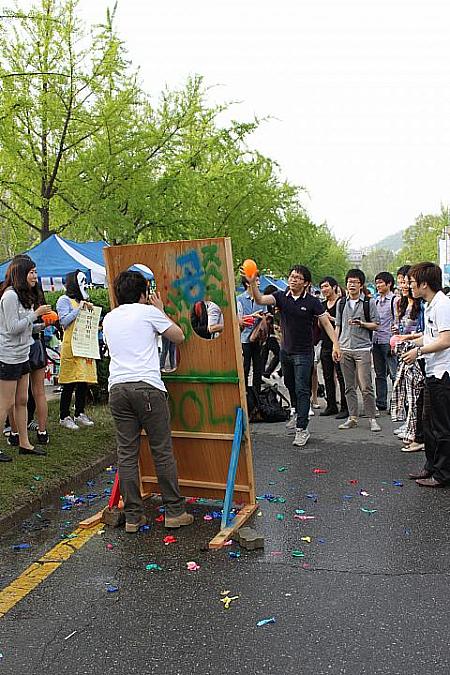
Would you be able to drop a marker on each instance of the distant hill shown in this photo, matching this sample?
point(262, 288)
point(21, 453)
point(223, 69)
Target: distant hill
point(392, 243)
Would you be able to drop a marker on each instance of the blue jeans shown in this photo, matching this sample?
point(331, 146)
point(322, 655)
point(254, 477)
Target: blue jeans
point(384, 363)
point(297, 371)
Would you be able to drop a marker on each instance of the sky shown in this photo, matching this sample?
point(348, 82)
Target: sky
point(356, 91)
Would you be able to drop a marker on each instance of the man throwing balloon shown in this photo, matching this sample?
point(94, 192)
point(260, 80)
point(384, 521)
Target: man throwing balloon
point(297, 311)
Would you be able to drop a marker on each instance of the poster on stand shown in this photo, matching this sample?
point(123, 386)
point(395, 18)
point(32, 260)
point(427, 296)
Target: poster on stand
point(85, 333)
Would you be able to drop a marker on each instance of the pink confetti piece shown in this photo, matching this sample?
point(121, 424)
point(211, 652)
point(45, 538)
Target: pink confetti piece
point(207, 517)
point(109, 546)
point(304, 517)
point(320, 471)
point(170, 539)
point(192, 566)
point(228, 543)
point(159, 519)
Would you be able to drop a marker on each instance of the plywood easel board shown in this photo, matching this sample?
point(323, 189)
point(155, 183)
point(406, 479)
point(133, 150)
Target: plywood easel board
point(208, 386)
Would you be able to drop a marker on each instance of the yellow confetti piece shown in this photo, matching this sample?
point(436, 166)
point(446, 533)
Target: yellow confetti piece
point(307, 539)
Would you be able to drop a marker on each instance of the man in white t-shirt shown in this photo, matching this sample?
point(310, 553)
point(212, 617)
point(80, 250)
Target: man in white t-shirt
point(138, 397)
point(426, 282)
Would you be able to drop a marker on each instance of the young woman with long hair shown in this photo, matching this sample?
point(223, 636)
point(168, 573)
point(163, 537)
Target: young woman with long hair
point(17, 315)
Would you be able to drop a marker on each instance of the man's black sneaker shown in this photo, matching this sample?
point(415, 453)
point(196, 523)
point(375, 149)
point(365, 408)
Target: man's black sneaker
point(4, 457)
point(342, 415)
point(42, 437)
point(13, 440)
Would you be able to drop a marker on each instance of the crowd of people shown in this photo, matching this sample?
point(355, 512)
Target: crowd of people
point(24, 316)
point(401, 333)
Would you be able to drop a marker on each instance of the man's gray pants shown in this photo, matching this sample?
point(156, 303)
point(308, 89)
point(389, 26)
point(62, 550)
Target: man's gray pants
point(356, 367)
point(136, 406)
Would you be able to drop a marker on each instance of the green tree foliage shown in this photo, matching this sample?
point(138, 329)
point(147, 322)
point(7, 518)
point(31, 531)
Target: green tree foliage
point(420, 241)
point(378, 260)
point(84, 152)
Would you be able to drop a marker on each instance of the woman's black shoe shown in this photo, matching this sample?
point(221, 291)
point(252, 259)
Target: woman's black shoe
point(4, 457)
point(42, 437)
point(13, 440)
point(342, 415)
point(32, 451)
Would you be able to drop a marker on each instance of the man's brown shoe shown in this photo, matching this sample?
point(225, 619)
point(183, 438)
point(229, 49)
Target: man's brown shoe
point(430, 482)
point(420, 474)
point(132, 528)
point(179, 521)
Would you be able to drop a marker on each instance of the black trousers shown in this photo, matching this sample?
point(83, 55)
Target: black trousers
point(436, 427)
point(251, 352)
point(66, 398)
point(273, 346)
point(329, 367)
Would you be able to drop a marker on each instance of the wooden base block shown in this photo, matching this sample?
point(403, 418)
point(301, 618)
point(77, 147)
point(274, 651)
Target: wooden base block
point(241, 517)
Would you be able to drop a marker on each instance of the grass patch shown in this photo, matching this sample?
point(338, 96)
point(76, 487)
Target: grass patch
point(27, 477)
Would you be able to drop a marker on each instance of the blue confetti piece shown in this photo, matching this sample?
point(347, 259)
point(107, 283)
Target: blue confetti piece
point(112, 589)
point(397, 483)
point(407, 531)
point(21, 547)
point(347, 496)
point(234, 554)
point(264, 622)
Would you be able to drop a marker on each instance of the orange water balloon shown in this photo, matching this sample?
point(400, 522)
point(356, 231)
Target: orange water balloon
point(249, 267)
point(49, 318)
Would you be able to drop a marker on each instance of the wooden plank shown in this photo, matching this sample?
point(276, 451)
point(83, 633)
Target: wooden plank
point(241, 517)
point(197, 483)
point(201, 434)
point(90, 522)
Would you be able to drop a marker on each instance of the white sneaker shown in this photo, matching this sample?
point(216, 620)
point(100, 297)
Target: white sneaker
point(400, 430)
point(348, 424)
point(413, 447)
point(292, 423)
point(68, 423)
point(84, 421)
point(302, 436)
point(311, 412)
point(374, 426)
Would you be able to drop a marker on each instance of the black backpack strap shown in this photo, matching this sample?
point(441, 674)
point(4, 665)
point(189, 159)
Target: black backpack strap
point(392, 308)
point(366, 308)
point(341, 305)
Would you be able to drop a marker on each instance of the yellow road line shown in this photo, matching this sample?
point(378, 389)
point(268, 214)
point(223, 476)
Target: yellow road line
point(36, 573)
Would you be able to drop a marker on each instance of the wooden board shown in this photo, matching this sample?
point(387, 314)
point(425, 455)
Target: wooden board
point(208, 385)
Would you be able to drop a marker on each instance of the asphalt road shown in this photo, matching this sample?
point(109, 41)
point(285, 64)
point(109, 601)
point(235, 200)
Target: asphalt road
point(370, 595)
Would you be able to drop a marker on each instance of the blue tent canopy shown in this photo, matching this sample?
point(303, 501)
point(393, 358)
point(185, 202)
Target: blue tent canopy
point(55, 257)
point(266, 280)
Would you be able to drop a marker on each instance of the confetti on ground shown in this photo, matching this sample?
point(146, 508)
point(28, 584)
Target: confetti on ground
point(227, 600)
point(112, 589)
point(363, 493)
point(109, 547)
point(369, 511)
point(37, 477)
point(70, 635)
point(276, 553)
point(264, 622)
point(304, 517)
point(347, 496)
point(319, 472)
point(298, 554)
point(307, 539)
point(299, 512)
point(259, 513)
point(101, 532)
point(397, 483)
point(407, 531)
point(224, 592)
point(153, 566)
point(280, 516)
point(234, 554)
point(207, 517)
point(282, 468)
point(353, 481)
point(192, 566)
point(322, 541)
point(170, 539)
point(21, 547)
point(228, 543)
point(312, 496)
point(159, 519)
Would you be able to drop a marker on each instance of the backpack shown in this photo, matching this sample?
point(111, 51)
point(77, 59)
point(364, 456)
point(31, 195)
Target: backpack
point(267, 406)
point(366, 310)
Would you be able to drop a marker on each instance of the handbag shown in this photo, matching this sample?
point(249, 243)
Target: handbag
point(38, 355)
point(260, 333)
